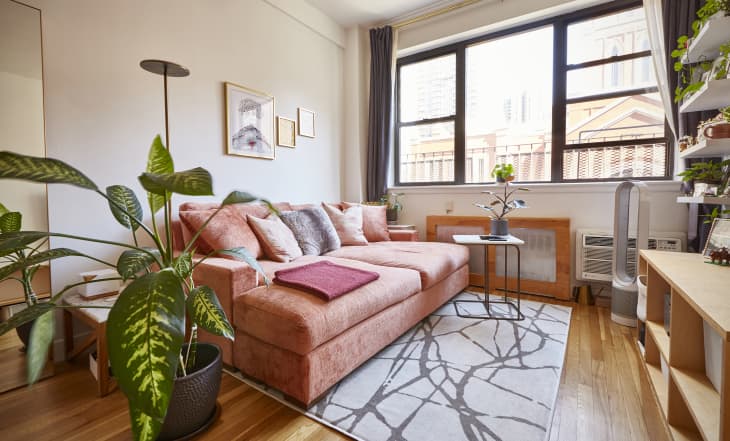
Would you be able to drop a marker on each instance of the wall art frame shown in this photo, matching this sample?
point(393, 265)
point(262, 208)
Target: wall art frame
point(249, 117)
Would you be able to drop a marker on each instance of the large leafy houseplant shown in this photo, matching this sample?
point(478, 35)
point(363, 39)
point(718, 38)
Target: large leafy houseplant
point(147, 324)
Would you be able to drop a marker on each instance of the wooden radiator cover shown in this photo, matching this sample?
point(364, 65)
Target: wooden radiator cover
point(560, 288)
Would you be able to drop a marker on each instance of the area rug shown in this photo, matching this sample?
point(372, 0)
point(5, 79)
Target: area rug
point(452, 378)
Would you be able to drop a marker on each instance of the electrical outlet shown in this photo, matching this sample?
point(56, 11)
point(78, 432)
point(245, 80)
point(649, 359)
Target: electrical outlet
point(449, 207)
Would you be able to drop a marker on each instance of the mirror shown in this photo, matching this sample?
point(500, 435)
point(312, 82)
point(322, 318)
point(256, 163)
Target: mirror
point(22, 131)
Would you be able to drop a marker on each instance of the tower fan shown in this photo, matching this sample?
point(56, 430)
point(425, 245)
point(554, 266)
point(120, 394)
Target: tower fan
point(624, 288)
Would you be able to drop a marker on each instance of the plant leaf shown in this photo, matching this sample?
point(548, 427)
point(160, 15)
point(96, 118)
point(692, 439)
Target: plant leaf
point(131, 262)
point(10, 222)
point(18, 239)
point(238, 197)
point(145, 332)
point(183, 265)
point(47, 170)
point(160, 162)
point(37, 258)
point(205, 310)
point(193, 182)
point(243, 254)
point(3, 209)
point(41, 337)
point(24, 316)
point(125, 197)
point(144, 427)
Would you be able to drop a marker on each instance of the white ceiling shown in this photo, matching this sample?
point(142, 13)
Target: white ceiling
point(352, 12)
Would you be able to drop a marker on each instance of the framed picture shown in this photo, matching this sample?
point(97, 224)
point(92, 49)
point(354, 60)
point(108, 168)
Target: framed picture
point(306, 122)
point(249, 122)
point(719, 236)
point(286, 132)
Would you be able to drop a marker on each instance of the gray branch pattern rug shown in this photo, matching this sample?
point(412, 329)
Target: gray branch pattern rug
point(452, 378)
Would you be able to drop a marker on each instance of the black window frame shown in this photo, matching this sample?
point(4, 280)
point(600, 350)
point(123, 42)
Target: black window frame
point(560, 101)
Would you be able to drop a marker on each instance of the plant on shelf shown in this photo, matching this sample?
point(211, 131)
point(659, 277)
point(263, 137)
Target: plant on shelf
point(146, 327)
point(503, 173)
point(716, 213)
point(711, 173)
point(394, 206)
point(502, 204)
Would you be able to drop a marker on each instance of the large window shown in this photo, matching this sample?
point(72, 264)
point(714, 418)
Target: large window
point(572, 98)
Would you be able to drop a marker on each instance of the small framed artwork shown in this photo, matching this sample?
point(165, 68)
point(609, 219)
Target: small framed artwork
point(306, 122)
point(249, 122)
point(286, 132)
point(719, 236)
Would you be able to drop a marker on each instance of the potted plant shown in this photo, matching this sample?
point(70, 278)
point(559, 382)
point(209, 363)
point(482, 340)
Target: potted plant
point(146, 327)
point(709, 177)
point(501, 206)
point(394, 206)
point(503, 173)
point(11, 221)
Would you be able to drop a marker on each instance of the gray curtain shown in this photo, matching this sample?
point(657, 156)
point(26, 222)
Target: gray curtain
point(381, 95)
point(678, 17)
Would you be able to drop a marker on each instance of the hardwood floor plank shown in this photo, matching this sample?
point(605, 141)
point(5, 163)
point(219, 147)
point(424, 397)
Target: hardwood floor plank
point(603, 395)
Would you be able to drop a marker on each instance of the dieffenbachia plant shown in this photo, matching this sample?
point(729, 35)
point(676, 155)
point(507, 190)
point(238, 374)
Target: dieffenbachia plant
point(146, 326)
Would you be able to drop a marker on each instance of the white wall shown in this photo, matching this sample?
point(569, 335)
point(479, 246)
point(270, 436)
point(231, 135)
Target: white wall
point(103, 110)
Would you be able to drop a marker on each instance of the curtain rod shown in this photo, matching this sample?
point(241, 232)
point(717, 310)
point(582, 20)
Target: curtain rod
point(435, 13)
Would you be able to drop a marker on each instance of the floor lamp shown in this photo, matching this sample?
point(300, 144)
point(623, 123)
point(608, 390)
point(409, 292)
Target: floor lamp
point(166, 69)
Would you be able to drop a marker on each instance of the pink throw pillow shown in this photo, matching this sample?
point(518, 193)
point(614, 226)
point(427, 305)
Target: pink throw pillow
point(374, 222)
point(228, 229)
point(277, 240)
point(348, 224)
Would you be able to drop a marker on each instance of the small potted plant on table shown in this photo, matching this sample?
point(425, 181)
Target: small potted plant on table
point(503, 202)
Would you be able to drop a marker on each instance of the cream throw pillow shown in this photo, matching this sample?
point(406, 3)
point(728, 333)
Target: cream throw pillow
point(348, 224)
point(277, 240)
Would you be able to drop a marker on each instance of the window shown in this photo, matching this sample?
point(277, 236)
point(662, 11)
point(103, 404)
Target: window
point(570, 98)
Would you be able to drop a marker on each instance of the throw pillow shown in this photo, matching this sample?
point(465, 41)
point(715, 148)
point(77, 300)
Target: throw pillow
point(348, 224)
point(313, 229)
point(374, 222)
point(276, 238)
point(228, 229)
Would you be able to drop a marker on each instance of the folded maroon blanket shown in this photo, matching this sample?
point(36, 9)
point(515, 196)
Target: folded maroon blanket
point(324, 279)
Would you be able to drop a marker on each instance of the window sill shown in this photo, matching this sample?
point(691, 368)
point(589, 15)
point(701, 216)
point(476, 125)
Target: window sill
point(546, 188)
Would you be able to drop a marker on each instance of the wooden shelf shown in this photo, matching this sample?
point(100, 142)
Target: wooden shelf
point(712, 200)
point(702, 400)
point(706, 46)
point(660, 337)
point(708, 147)
point(683, 434)
point(712, 96)
point(659, 384)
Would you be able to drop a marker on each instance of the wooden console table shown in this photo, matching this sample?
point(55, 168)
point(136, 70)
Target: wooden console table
point(692, 407)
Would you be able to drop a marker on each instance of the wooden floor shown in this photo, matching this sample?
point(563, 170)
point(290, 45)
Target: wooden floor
point(604, 395)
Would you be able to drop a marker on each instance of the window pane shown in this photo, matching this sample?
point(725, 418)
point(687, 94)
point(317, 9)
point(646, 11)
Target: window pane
point(634, 161)
point(611, 35)
point(615, 119)
point(428, 89)
point(611, 77)
point(509, 105)
point(427, 153)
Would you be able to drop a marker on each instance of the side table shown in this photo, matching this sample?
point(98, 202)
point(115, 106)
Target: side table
point(507, 242)
point(96, 319)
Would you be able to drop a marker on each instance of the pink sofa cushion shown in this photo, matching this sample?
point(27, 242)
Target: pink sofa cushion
point(299, 322)
point(228, 229)
point(433, 260)
point(348, 224)
point(276, 239)
point(374, 221)
point(324, 279)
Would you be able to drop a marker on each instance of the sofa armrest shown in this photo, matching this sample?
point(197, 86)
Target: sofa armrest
point(228, 278)
point(403, 235)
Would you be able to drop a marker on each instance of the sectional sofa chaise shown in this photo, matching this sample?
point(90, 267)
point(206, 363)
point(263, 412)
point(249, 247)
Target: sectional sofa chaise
point(295, 341)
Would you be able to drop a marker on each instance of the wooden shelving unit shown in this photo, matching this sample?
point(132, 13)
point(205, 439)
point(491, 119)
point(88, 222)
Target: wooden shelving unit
point(700, 293)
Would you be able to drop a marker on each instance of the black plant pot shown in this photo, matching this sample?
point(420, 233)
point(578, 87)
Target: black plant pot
point(499, 227)
point(391, 215)
point(23, 332)
point(193, 402)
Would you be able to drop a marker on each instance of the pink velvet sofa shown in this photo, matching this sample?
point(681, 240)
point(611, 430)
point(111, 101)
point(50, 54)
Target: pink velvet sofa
point(302, 345)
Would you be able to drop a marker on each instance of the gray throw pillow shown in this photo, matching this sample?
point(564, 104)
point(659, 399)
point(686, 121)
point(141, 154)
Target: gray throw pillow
point(313, 229)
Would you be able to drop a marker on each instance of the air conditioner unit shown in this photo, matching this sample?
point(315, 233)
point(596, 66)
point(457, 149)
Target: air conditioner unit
point(594, 252)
